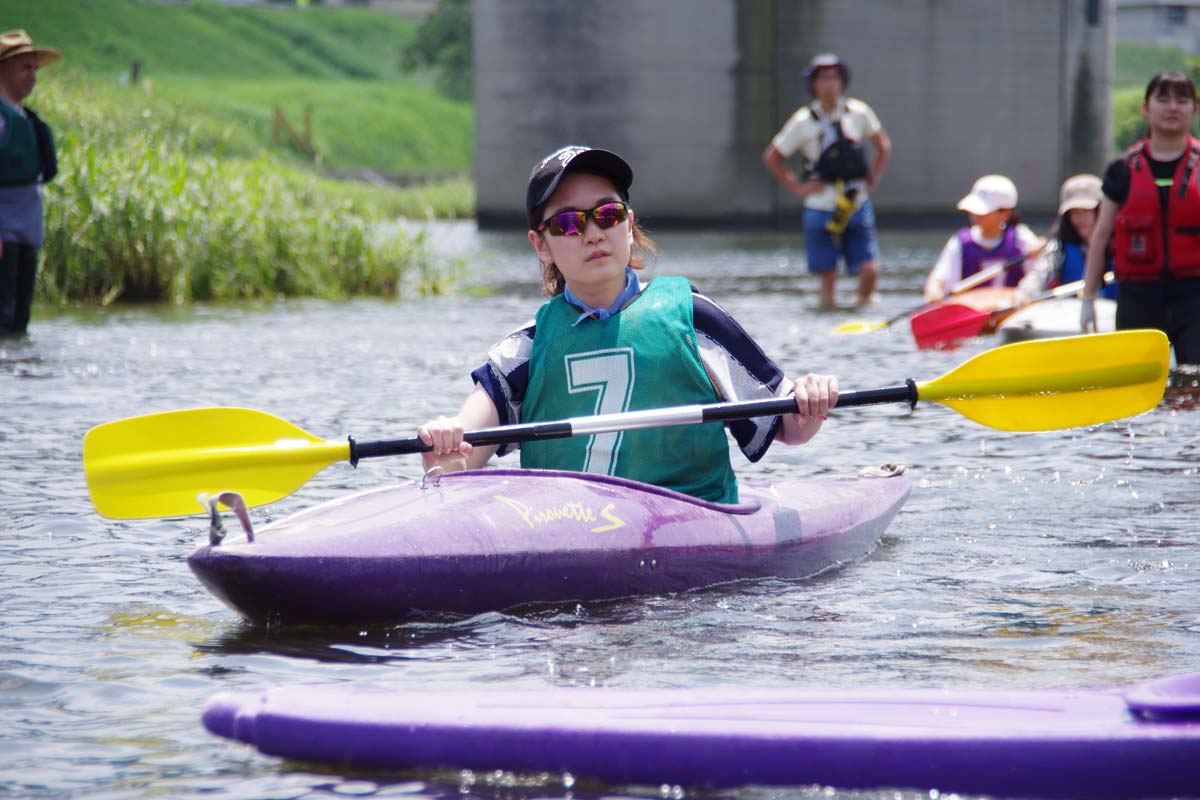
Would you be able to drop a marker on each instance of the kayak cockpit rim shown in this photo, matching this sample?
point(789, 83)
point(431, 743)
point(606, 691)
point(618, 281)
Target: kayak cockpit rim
point(233, 501)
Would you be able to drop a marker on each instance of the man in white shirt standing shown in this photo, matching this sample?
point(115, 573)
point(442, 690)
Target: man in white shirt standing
point(838, 216)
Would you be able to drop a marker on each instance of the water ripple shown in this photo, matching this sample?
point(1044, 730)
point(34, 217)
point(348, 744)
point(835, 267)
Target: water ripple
point(1045, 559)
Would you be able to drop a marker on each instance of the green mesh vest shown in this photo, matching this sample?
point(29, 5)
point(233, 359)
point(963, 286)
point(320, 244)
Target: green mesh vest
point(20, 162)
point(644, 357)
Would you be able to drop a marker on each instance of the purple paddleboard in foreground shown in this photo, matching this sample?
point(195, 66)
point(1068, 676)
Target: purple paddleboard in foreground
point(1139, 742)
point(487, 540)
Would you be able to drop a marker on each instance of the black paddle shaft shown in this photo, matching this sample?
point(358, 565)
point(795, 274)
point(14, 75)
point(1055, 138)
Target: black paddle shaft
point(653, 418)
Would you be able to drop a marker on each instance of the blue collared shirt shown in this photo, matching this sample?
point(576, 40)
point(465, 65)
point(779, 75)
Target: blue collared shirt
point(628, 293)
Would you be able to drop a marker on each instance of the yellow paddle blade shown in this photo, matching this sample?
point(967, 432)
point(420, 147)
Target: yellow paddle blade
point(1058, 383)
point(859, 326)
point(156, 465)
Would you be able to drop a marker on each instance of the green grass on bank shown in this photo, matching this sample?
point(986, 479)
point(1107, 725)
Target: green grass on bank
point(1136, 64)
point(159, 200)
point(233, 65)
point(176, 186)
point(143, 209)
point(209, 39)
point(396, 127)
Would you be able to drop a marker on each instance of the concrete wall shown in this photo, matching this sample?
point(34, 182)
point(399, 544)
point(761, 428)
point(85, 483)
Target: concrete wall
point(1149, 23)
point(691, 91)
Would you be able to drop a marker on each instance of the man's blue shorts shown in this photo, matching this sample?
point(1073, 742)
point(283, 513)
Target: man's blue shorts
point(856, 245)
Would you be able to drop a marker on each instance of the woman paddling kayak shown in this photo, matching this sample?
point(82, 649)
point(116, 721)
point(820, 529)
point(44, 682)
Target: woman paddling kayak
point(607, 342)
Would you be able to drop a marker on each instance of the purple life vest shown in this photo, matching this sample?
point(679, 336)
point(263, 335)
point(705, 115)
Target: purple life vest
point(975, 257)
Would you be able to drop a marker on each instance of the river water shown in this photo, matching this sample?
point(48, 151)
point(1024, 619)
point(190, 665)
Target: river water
point(1022, 559)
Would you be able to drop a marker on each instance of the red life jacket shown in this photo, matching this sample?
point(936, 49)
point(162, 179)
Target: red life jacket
point(1140, 232)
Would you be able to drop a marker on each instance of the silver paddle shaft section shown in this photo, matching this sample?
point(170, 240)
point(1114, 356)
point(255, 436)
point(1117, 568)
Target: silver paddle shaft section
point(637, 420)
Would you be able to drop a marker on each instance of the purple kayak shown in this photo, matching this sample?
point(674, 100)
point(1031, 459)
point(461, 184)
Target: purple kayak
point(1104, 743)
point(488, 540)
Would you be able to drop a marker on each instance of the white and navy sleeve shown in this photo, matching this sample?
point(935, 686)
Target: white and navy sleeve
point(740, 370)
point(505, 375)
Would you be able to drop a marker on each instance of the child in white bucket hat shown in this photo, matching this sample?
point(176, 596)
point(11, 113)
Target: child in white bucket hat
point(995, 237)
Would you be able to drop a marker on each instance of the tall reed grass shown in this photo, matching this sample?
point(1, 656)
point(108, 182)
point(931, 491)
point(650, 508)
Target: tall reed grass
point(146, 207)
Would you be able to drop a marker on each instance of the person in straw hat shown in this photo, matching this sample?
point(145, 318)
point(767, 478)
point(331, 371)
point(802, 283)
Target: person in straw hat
point(27, 161)
point(1062, 261)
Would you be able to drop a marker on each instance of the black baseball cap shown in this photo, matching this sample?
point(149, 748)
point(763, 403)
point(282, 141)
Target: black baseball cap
point(548, 172)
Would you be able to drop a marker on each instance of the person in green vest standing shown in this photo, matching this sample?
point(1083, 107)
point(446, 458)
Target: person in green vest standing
point(608, 342)
point(27, 160)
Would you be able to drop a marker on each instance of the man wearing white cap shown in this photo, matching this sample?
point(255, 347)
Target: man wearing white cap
point(27, 160)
